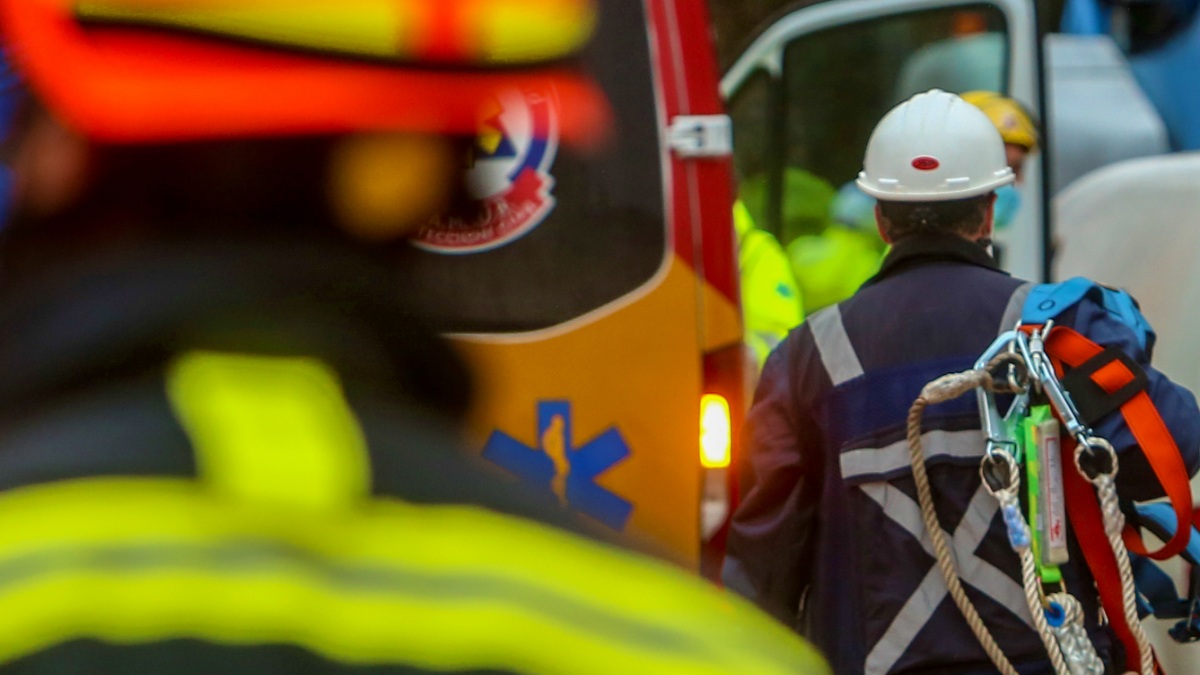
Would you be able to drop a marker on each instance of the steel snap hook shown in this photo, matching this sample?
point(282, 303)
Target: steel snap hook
point(1015, 369)
point(999, 471)
point(1095, 457)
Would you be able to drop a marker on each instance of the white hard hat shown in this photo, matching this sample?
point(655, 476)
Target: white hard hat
point(934, 147)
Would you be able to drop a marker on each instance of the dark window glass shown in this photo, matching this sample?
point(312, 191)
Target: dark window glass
point(751, 109)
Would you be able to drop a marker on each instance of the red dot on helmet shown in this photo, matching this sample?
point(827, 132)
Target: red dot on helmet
point(925, 163)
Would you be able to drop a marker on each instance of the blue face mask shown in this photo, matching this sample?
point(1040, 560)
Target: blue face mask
point(1008, 202)
point(853, 208)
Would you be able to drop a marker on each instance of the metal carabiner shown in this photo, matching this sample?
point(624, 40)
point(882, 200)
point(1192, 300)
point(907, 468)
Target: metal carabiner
point(989, 413)
point(1037, 346)
point(1021, 345)
point(1060, 399)
point(1096, 458)
point(995, 425)
point(1000, 473)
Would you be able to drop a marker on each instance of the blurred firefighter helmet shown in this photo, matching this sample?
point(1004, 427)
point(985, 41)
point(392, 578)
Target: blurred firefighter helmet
point(132, 71)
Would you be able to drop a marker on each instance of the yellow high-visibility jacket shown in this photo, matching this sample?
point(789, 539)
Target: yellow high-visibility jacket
point(771, 303)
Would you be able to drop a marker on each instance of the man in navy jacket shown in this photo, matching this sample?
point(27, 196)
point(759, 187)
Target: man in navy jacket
point(829, 537)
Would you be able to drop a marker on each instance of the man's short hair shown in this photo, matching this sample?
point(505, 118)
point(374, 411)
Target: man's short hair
point(959, 216)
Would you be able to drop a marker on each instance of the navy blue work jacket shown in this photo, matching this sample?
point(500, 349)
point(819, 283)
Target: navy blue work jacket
point(828, 537)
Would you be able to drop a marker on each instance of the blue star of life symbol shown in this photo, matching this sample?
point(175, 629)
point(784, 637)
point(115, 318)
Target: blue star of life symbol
point(557, 465)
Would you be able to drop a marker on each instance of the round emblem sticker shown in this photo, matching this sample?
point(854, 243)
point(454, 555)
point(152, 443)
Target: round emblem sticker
point(508, 172)
point(925, 163)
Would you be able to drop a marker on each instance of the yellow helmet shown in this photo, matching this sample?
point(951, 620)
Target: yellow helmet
point(1011, 118)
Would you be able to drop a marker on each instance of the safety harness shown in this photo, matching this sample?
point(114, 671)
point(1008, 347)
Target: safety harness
point(1082, 382)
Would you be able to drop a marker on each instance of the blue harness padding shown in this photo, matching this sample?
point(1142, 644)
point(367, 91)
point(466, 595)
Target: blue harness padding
point(1155, 589)
point(1048, 301)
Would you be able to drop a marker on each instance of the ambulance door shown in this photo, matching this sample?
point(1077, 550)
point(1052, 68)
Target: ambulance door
point(594, 293)
point(806, 94)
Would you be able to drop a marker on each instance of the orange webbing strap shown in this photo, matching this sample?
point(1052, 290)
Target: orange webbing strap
point(1066, 346)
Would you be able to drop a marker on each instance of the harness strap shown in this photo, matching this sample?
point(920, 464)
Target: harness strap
point(1067, 346)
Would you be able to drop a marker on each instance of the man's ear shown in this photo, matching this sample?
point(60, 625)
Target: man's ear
point(880, 225)
point(50, 165)
point(989, 219)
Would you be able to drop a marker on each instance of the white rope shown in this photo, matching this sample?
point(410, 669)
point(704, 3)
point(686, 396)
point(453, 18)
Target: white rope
point(1071, 651)
point(1114, 523)
point(1077, 648)
point(942, 389)
point(1020, 538)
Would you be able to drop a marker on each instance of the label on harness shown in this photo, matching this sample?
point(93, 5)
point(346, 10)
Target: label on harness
point(1053, 534)
point(1043, 481)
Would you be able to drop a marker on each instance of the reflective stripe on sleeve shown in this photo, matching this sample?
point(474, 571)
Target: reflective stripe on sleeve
point(138, 561)
point(837, 354)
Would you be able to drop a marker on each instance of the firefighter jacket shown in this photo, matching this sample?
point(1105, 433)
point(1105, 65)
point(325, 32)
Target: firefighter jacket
point(829, 537)
point(237, 458)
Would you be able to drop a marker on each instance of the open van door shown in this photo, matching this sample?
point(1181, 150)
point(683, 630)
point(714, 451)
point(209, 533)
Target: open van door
point(806, 94)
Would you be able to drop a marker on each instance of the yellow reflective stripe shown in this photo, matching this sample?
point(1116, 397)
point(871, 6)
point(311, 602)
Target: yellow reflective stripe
point(270, 429)
point(374, 28)
point(493, 31)
point(528, 30)
point(136, 561)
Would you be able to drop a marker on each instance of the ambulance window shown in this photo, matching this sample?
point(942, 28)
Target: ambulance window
point(560, 234)
point(839, 82)
point(751, 109)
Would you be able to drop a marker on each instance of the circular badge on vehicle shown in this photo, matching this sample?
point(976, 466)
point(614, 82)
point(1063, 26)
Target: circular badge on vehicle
point(508, 172)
